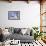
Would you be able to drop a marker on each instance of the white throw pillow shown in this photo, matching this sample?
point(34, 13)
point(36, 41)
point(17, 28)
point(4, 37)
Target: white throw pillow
point(23, 31)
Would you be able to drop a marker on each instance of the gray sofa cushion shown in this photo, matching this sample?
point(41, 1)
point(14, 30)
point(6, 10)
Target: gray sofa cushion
point(22, 38)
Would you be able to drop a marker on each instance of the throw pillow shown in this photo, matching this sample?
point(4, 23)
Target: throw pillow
point(17, 30)
point(23, 31)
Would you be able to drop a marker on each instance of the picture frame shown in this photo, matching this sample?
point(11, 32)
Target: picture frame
point(13, 15)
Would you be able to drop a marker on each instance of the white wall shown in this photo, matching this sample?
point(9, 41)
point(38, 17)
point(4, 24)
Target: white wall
point(29, 14)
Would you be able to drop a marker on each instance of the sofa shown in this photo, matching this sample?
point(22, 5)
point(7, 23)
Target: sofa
point(17, 34)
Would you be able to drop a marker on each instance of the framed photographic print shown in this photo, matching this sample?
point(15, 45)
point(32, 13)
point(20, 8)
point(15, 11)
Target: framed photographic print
point(13, 15)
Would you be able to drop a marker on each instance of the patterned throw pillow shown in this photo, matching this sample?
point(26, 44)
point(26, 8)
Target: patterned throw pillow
point(17, 30)
point(11, 30)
